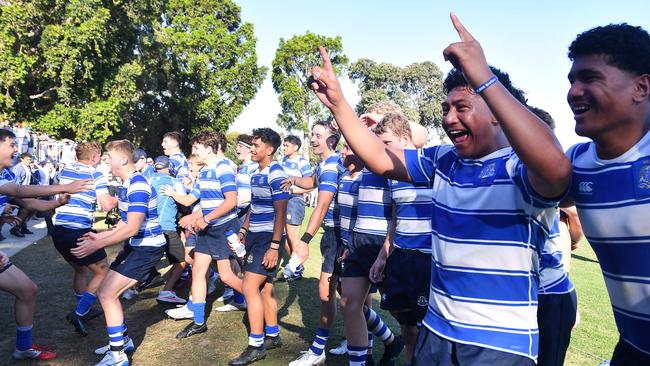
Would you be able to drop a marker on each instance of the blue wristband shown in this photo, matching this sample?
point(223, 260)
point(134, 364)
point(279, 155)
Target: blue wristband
point(486, 84)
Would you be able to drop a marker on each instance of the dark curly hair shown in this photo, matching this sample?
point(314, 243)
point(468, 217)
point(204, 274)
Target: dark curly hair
point(455, 79)
point(623, 46)
point(268, 136)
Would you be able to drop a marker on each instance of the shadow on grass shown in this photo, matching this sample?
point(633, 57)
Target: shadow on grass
point(305, 293)
point(584, 259)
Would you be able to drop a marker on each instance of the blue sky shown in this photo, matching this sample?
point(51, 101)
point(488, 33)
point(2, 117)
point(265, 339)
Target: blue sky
point(527, 39)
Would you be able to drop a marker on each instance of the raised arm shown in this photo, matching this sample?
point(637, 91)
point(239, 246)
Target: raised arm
point(549, 170)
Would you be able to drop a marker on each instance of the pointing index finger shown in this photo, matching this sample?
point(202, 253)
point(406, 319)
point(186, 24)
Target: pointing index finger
point(327, 64)
point(464, 34)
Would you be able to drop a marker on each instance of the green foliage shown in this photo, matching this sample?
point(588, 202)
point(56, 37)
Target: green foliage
point(417, 88)
point(292, 65)
point(93, 69)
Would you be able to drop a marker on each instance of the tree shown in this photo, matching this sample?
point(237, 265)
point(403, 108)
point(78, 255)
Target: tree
point(291, 70)
point(417, 88)
point(92, 69)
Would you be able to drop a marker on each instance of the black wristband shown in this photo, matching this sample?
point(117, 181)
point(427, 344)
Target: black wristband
point(244, 229)
point(275, 241)
point(275, 244)
point(306, 237)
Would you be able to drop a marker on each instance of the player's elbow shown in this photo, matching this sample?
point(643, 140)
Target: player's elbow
point(560, 174)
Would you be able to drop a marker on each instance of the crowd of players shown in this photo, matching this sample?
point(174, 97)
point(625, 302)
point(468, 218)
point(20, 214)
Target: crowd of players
point(465, 242)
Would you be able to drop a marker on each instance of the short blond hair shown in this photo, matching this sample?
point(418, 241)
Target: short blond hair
point(395, 123)
point(123, 146)
point(85, 150)
point(384, 107)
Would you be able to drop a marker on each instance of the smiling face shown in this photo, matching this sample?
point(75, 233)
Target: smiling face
point(7, 150)
point(202, 152)
point(470, 124)
point(319, 135)
point(260, 150)
point(601, 96)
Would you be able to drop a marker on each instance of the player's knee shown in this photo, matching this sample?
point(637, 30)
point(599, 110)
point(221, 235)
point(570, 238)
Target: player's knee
point(28, 291)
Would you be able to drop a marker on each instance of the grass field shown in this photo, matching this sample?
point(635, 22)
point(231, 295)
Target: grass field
point(298, 303)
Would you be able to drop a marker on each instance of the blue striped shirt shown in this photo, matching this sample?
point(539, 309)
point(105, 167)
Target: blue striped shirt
point(136, 195)
point(374, 208)
point(167, 207)
point(553, 279)
point(214, 181)
point(244, 183)
point(487, 224)
point(413, 212)
point(6, 177)
point(78, 213)
point(178, 166)
point(298, 167)
point(328, 173)
point(613, 201)
point(347, 197)
point(265, 187)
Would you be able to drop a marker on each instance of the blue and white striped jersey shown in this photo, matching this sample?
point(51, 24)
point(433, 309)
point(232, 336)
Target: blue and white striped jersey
point(214, 181)
point(553, 279)
point(265, 187)
point(613, 201)
point(413, 212)
point(347, 197)
point(374, 207)
point(298, 167)
point(328, 173)
point(6, 177)
point(136, 195)
point(178, 166)
point(244, 183)
point(487, 225)
point(78, 213)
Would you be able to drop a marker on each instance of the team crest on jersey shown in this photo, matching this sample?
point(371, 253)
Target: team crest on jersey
point(644, 177)
point(488, 170)
point(422, 301)
point(249, 259)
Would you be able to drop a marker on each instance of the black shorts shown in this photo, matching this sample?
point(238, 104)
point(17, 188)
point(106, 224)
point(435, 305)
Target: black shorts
point(431, 347)
point(407, 280)
point(137, 262)
point(626, 354)
point(257, 243)
point(190, 240)
point(556, 315)
point(214, 242)
point(331, 248)
point(174, 248)
point(361, 254)
point(65, 239)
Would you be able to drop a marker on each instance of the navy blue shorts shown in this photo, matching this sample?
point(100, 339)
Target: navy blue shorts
point(295, 210)
point(361, 254)
point(407, 279)
point(556, 315)
point(6, 266)
point(190, 240)
point(626, 354)
point(137, 262)
point(174, 248)
point(214, 242)
point(331, 248)
point(257, 243)
point(65, 239)
point(433, 350)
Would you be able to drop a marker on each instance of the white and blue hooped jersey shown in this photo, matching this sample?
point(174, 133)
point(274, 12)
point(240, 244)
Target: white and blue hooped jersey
point(136, 195)
point(244, 182)
point(298, 167)
point(214, 181)
point(178, 166)
point(613, 201)
point(374, 207)
point(347, 197)
point(7, 177)
point(413, 212)
point(78, 213)
point(328, 174)
point(265, 186)
point(553, 279)
point(487, 226)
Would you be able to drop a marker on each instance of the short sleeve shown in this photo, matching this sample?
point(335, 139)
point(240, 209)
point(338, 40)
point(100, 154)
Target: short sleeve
point(276, 176)
point(138, 196)
point(227, 178)
point(421, 165)
point(519, 175)
point(305, 168)
point(101, 183)
point(328, 180)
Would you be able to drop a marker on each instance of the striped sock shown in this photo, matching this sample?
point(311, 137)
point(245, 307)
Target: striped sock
point(377, 326)
point(357, 355)
point(198, 308)
point(370, 343)
point(238, 298)
point(318, 346)
point(272, 330)
point(256, 340)
point(86, 302)
point(23, 337)
point(116, 342)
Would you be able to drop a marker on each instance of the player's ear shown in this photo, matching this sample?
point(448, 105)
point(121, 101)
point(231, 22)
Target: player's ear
point(642, 88)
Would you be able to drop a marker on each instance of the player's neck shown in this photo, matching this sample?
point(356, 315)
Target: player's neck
point(125, 172)
point(211, 159)
point(85, 162)
point(265, 162)
point(174, 150)
point(293, 156)
point(325, 154)
point(617, 142)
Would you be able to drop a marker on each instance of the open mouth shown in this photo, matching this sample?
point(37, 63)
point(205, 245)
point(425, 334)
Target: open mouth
point(458, 136)
point(579, 109)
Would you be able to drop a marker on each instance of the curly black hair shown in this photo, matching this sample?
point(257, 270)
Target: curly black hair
point(624, 46)
point(268, 136)
point(455, 79)
point(293, 139)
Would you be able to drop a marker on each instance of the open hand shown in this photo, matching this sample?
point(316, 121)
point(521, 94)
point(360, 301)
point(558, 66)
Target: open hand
point(63, 199)
point(167, 190)
point(324, 83)
point(377, 270)
point(286, 184)
point(270, 259)
point(10, 219)
point(86, 245)
point(82, 185)
point(467, 55)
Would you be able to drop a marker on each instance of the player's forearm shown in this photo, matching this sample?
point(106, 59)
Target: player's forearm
point(298, 190)
point(280, 218)
point(317, 217)
point(119, 235)
point(225, 207)
point(38, 205)
point(31, 191)
point(306, 183)
point(184, 199)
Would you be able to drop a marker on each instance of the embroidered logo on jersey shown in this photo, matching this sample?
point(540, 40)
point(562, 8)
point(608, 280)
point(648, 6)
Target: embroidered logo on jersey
point(249, 259)
point(422, 301)
point(488, 171)
point(644, 177)
point(641, 173)
point(585, 187)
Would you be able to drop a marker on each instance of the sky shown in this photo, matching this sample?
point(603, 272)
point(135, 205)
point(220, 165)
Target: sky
point(527, 39)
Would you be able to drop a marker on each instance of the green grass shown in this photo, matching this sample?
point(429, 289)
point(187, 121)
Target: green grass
point(298, 303)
